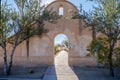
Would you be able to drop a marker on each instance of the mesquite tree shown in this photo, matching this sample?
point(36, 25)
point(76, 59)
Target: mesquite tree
point(30, 13)
point(107, 17)
point(104, 19)
point(21, 25)
point(4, 30)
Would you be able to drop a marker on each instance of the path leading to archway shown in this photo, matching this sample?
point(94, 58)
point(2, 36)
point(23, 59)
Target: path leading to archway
point(61, 58)
point(61, 70)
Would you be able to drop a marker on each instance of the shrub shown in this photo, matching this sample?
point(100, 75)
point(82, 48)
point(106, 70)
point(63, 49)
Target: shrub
point(31, 71)
point(100, 49)
point(56, 48)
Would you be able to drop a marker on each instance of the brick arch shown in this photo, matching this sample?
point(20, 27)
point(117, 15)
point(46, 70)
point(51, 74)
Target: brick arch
point(68, 6)
point(54, 2)
point(66, 61)
point(61, 34)
point(41, 47)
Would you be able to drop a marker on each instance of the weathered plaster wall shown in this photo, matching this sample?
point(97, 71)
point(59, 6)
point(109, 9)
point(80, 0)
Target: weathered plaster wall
point(77, 38)
point(41, 47)
point(68, 8)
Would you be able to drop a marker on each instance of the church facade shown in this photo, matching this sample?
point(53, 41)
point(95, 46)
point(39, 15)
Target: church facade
point(41, 48)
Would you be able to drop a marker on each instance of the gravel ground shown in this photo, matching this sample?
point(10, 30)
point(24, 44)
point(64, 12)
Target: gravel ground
point(83, 73)
point(36, 72)
point(94, 73)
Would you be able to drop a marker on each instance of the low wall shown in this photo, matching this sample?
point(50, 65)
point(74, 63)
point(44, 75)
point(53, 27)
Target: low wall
point(83, 61)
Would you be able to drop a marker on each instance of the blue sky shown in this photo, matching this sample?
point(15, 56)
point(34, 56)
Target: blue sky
point(87, 5)
point(59, 38)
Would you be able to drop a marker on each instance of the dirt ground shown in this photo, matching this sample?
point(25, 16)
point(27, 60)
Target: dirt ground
point(95, 73)
point(31, 72)
point(37, 72)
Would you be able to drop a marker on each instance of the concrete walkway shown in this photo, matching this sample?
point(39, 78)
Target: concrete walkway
point(61, 70)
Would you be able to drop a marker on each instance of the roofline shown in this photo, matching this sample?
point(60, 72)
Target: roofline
point(62, 1)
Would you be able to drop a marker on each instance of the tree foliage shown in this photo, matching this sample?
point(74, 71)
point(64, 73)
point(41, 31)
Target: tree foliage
point(99, 47)
point(117, 56)
point(4, 30)
point(107, 20)
point(104, 19)
point(18, 26)
point(65, 42)
point(57, 48)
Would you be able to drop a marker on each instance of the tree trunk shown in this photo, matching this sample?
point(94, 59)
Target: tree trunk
point(5, 57)
point(3, 46)
point(5, 61)
point(0, 9)
point(93, 33)
point(110, 61)
point(11, 59)
point(27, 45)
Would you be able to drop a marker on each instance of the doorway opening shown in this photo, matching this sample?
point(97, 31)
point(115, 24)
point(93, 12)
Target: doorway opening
point(61, 50)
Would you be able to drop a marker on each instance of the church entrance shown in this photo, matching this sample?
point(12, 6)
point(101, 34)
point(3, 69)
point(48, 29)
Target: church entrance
point(61, 50)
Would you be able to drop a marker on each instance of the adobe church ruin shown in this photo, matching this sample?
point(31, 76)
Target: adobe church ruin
point(41, 49)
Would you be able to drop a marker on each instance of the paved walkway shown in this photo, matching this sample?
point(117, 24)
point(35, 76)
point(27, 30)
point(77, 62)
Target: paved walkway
point(61, 70)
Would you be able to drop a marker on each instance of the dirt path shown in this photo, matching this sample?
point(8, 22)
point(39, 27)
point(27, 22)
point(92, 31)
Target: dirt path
point(61, 70)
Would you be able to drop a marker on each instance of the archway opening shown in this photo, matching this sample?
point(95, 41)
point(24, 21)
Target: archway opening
point(61, 11)
point(61, 50)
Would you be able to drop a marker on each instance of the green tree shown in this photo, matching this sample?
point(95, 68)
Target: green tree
point(107, 17)
point(117, 56)
point(22, 23)
point(56, 48)
point(88, 17)
point(4, 30)
point(99, 47)
point(65, 42)
point(0, 9)
point(30, 13)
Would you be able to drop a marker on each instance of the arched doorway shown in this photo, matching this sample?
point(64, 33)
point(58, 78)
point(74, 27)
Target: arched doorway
point(61, 50)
